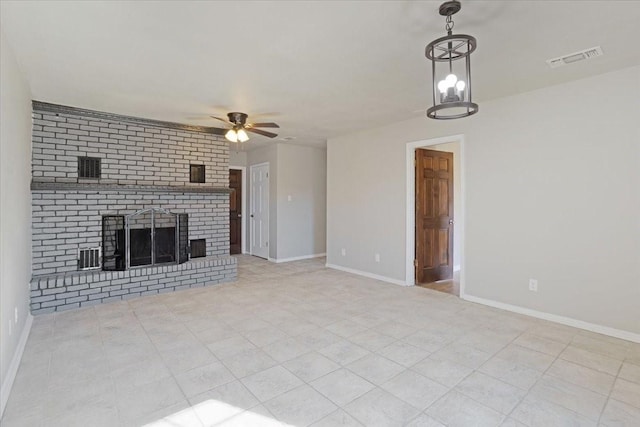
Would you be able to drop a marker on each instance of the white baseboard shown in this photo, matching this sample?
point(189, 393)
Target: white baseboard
point(7, 384)
point(297, 258)
point(367, 274)
point(592, 327)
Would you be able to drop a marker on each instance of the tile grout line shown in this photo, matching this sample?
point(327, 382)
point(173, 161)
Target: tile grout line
point(113, 384)
point(172, 375)
point(538, 380)
point(467, 376)
point(505, 416)
point(606, 402)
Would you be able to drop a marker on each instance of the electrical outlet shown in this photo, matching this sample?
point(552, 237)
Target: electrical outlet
point(15, 313)
point(344, 252)
point(377, 257)
point(533, 285)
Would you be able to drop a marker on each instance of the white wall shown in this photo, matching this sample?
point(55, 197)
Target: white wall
point(552, 192)
point(302, 179)
point(297, 228)
point(15, 212)
point(237, 158)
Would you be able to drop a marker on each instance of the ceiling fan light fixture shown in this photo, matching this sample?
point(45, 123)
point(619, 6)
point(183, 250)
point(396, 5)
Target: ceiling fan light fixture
point(242, 135)
point(240, 129)
point(232, 135)
point(449, 55)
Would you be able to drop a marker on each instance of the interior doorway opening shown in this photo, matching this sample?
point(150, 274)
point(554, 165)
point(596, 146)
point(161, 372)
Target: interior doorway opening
point(435, 214)
point(238, 173)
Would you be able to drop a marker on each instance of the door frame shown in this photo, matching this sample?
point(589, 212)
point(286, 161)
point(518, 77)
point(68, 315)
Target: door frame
point(251, 167)
point(243, 207)
point(410, 275)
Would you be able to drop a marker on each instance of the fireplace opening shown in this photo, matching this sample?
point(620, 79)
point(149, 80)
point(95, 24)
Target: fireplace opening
point(147, 237)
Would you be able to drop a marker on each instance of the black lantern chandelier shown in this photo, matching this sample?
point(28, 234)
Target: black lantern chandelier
point(450, 58)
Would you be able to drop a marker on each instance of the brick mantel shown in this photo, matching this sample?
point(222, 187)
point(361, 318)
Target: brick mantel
point(69, 186)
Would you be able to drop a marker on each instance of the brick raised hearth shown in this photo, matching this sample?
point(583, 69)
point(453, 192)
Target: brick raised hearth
point(73, 290)
point(143, 164)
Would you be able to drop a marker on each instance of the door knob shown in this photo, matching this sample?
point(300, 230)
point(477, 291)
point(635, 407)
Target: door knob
point(251, 215)
point(239, 215)
point(450, 221)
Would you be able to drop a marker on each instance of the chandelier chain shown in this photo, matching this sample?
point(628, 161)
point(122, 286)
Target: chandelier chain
point(450, 24)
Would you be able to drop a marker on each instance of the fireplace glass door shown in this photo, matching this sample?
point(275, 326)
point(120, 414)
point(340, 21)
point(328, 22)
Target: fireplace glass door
point(164, 242)
point(151, 237)
point(147, 237)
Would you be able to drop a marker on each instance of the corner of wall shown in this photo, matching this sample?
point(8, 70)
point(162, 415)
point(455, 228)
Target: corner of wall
point(15, 223)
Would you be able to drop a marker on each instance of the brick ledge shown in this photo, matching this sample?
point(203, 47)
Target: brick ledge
point(40, 185)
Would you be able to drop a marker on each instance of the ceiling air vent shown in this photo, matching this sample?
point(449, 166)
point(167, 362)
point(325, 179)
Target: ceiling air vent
point(575, 57)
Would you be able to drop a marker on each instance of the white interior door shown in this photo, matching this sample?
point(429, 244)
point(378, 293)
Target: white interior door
point(260, 210)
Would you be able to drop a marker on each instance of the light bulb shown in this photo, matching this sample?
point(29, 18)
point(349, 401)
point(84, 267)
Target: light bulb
point(442, 86)
point(451, 80)
point(242, 135)
point(231, 135)
point(461, 85)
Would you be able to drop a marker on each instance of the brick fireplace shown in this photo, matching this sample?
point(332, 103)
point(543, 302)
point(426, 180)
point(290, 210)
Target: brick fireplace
point(116, 208)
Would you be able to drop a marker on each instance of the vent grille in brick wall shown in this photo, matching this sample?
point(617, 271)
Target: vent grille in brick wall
point(88, 259)
point(88, 167)
point(196, 173)
point(198, 248)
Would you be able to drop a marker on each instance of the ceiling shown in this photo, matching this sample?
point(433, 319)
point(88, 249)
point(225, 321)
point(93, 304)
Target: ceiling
point(320, 69)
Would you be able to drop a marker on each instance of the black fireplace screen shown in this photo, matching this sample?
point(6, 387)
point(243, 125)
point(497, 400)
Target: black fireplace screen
point(147, 237)
point(113, 242)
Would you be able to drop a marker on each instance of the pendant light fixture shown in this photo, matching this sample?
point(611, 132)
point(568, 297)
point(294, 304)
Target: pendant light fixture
point(450, 58)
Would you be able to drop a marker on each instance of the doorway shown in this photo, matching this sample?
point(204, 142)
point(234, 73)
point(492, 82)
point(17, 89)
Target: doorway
point(259, 217)
point(235, 211)
point(435, 214)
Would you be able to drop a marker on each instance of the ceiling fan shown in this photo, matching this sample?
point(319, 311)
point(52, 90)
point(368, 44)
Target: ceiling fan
point(240, 127)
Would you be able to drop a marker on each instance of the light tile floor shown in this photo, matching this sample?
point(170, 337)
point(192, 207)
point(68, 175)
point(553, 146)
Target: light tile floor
point(298, 344)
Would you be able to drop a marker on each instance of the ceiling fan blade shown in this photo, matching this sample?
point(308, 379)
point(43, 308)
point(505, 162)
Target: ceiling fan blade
point(263, 125)
point(262, 132)
point(222, 120)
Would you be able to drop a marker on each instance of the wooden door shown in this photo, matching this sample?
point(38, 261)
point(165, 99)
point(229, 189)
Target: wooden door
point(235, 211)
point(434, 216)
point(260, 210)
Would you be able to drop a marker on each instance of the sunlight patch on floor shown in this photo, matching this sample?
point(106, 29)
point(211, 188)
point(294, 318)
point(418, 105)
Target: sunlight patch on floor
point(215, 412)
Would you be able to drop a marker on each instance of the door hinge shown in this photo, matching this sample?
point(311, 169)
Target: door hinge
point(267, 244)
point(415, 262)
